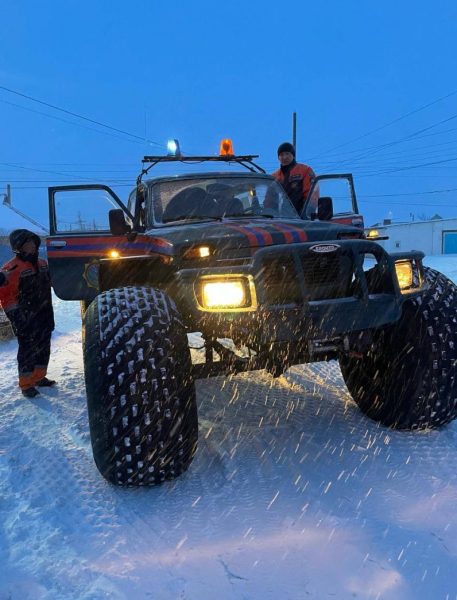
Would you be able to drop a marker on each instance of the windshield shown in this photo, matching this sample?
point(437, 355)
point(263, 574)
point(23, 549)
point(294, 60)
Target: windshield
point(218, 197)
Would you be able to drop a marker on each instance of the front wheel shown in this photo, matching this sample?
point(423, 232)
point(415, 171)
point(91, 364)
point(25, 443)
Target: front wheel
point(140, 393)
point(408, 379)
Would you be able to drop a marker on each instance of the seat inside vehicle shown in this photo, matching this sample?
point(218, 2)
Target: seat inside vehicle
point(190, 202)
point(227, 203)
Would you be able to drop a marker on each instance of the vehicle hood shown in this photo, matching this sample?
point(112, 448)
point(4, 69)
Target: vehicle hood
point(234, 235)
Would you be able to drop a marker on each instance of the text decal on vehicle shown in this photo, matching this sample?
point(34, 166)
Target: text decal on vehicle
point(321, 248)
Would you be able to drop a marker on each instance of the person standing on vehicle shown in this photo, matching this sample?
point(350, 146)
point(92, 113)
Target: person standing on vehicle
point(25, 295)
point(295, 178)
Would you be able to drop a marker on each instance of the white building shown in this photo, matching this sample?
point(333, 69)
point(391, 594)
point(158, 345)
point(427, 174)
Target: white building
point(438, 236)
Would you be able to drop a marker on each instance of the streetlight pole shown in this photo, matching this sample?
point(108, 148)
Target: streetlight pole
point(7, 202)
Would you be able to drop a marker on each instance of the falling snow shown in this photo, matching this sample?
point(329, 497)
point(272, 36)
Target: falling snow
point(293, 494)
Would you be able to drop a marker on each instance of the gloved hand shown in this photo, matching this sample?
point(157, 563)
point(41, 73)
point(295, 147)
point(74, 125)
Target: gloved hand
point(2, 278)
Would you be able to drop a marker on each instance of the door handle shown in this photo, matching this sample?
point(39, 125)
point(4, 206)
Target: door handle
point(57, 243)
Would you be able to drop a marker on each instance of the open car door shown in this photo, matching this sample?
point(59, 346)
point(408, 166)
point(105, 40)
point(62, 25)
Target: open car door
point(79, 236)
point(340, 189)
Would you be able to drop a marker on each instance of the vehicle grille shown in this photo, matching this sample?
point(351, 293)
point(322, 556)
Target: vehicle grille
point(324, 276)
point(322, 269)
point(280, 280)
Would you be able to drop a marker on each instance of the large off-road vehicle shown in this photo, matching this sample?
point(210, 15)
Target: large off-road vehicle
point(225, 254)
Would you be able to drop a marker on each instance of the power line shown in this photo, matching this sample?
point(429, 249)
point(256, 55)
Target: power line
point(41, 170)
point(407, 204)
point(418, 137)
point(59, 181)
point(410, 167)
point(39, 112)
point(45, 187)
point(416, 176)
point(400, 141)
point(73, 114)
point(78, 164)
point(128, 171)
point(421, 151)
point(388, 124)
point(410, 193)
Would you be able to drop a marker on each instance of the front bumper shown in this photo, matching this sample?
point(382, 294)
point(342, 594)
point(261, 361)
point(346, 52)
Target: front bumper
point(302, 293)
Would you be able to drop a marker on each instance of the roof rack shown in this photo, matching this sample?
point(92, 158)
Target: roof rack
point(246, 161)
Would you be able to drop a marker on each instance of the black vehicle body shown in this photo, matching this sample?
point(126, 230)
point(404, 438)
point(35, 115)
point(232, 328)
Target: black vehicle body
point(226, 255)
point(317, 285)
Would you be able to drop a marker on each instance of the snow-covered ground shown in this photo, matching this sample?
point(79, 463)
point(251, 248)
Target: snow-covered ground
point(293, 494)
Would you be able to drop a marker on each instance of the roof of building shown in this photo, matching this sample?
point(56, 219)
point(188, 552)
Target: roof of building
point(402, 223)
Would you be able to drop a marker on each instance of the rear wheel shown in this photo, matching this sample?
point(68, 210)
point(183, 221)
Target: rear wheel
point(140, 394)
point(408, 380)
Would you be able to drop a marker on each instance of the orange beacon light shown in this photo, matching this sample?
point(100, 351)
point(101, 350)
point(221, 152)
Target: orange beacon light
point(226, 148)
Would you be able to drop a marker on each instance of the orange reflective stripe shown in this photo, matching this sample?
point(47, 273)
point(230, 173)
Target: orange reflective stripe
point(38, 374)
point(26, 380)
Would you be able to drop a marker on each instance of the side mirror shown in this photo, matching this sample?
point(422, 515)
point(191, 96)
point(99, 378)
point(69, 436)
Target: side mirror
point(117, 223)
point(325, 208)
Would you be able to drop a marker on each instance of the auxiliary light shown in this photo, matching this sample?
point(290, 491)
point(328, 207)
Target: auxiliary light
point(404, 270)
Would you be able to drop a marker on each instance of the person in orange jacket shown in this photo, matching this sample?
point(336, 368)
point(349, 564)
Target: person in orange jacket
point(295, 178)
point(25, 295)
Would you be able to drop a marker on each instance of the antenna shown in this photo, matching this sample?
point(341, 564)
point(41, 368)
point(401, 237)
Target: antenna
point(8, 202)
point(294, 130)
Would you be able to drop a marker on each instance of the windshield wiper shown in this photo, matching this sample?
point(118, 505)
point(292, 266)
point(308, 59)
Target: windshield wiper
point(192, 218)
point(249, 215)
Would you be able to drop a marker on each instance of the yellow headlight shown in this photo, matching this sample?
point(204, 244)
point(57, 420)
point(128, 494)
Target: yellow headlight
point(373, 233)
point(404, 270)
point(114, 254)
point(224, 294)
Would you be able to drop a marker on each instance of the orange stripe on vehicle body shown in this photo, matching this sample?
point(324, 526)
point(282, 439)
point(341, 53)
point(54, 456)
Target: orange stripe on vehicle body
point(289, 238)
point(253, 240)
point(301, 234)
point(83, 246)
point(78, 240)
point(264, 233)
point(58, 253)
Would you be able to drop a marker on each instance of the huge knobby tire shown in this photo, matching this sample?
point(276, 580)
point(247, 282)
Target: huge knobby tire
point(408, 380)
point(140, 393)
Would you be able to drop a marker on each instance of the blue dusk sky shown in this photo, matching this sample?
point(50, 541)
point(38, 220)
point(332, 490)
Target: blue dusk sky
point(374, 85)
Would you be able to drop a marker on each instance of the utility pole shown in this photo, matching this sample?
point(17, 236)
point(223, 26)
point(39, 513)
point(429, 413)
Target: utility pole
point(8, 203)
point(80, 222)
point(294, 130)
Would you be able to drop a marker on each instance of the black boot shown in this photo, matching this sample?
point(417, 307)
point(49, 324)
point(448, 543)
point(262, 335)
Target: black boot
point(45, 382)
point(30, 392)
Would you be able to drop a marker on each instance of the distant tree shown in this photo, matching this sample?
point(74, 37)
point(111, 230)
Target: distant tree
point(436, 217)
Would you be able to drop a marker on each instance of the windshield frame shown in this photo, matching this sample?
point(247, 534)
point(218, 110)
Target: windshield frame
point(153, 222)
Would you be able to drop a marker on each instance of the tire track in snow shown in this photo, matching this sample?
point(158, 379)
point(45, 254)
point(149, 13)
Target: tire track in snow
point(49, 466)
point(299, 435)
